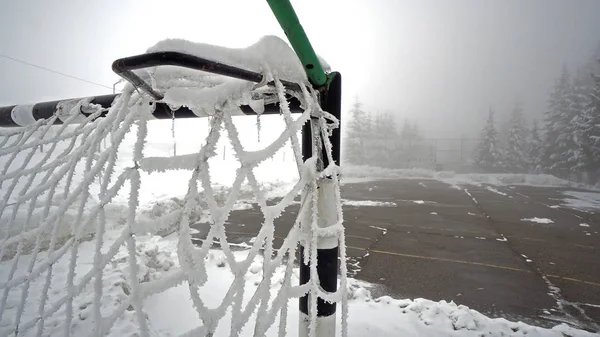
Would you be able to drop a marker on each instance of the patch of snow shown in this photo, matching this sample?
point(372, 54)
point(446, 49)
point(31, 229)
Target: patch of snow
point(491, 189)
point(239, 206)
point(360, 203)
point(420, 202)
point(384, 230)
point(582, 200)
point(538, 220)
point(472, 198)
point(507, 179)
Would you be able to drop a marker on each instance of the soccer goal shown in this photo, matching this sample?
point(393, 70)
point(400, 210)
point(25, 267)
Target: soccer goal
point(82, 255)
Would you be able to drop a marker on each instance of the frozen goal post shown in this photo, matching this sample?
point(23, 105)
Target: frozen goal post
point(79, 253)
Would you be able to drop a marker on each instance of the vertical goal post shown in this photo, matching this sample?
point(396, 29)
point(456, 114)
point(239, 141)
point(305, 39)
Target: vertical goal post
point(328, 87)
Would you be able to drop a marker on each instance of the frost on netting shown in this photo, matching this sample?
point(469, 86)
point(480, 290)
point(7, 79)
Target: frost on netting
point(72, 224)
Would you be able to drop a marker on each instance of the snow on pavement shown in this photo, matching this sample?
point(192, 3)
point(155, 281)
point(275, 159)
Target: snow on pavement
point(491, 189)
point(360, 203)
point(582, 200)
point(538, 220)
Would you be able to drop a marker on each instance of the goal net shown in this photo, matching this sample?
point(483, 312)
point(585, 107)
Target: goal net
point(85, 251)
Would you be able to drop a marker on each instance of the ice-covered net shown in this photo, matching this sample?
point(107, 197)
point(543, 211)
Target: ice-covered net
point(67, 244)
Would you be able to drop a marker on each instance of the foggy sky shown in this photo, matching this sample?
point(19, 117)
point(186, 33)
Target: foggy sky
point(442, 63)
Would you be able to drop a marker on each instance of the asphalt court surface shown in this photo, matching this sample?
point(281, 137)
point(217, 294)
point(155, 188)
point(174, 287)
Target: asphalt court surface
point(467, 244)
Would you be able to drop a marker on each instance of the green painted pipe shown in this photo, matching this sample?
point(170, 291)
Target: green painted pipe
point(288, 20)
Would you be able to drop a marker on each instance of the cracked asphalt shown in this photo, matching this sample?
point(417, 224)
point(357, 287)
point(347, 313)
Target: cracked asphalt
point(468, 245)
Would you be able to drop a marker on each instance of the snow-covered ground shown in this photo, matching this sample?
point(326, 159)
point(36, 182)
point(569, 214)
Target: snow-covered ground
point(171, 312)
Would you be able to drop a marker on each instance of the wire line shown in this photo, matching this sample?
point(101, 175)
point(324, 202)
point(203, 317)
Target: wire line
point(54, 71)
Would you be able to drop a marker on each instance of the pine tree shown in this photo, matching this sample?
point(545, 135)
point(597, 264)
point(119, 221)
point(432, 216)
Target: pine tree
point(579, 157)
point(357, 135)
point(558, 137)
point(487, 154)
point(503, 130)
point(415, 134)
point(410, 132)
point(591, 131)
point(406, 132)
point(384, 136)
point(515, 153)
point(534, 148)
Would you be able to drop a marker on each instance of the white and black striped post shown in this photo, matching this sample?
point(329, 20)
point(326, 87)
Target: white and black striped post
point(327, 248)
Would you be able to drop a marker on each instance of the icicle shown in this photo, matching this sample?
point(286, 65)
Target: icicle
point(173, 133)
point(258, 126)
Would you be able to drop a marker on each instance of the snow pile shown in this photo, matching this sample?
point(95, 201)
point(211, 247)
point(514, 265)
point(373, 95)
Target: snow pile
point(203, 92)
point(538, 220)
point(269, 50)
point(156, 258)
point(421, 317)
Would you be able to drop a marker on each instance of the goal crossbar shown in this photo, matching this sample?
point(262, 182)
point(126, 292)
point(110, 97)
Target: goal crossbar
point(21, 115)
